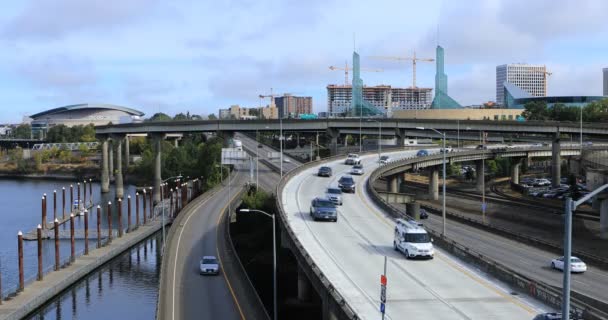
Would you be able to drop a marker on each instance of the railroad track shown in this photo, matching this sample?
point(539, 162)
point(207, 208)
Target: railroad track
point(502, 198)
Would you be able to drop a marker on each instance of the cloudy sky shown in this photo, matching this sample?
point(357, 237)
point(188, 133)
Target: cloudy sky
point(198, 56)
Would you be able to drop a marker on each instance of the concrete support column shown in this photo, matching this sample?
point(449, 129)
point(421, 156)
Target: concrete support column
point(118, 183)
point(127, 152)
point(515, 172)
point(111, 159)
point(105, 174)
point(603, 218)
point(176, 143)
point(304, 286)
point(394, 183)
point(556, 162)
point(328, 308)
point(400, 137)
point(333, 144)
point(479, 171)
point(434, 184)
point(156, 141)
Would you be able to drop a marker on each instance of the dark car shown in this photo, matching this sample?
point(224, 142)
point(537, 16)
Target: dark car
point(482, 147)
point(324, 172)
point(260, 145)
point(423, 214)
point(548, 316)
point(323, 209)
point(422, 153)
point(346, 184)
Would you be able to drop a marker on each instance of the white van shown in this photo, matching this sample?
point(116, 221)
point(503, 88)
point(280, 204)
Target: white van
point(412, 240)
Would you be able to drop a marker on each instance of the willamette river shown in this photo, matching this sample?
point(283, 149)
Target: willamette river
point(124, 288)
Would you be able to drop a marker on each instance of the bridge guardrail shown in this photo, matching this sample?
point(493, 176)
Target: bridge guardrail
point(588, 307)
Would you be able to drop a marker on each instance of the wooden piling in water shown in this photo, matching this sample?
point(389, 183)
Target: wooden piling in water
point(119, 217)
point(109, 222)
point(72, 244)
point(39, 239)
point(43, 209)
point(128, 213)
point(86, 231)
point(54, 205)
point(20, 252)
point(143, 196)
point(136, 209)
point(98, 226)
point(63, 202)
point(56, 244)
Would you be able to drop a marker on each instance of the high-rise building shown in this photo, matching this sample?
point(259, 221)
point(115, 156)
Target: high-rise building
point(359, 105)
point(529, 78)
point(606, 82)
point(291, 106)
point(442, 100)
point(383, 98)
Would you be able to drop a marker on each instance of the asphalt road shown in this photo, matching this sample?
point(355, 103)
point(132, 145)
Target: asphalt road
point(351, 251)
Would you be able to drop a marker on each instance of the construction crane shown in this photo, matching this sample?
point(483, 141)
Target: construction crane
point(545, 74)
point(346, 68)
point(271, 95)
point(414, 59)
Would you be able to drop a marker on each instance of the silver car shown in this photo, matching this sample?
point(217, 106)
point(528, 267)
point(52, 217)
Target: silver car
point(335, 195)
point(209, 265)
point(357, 169)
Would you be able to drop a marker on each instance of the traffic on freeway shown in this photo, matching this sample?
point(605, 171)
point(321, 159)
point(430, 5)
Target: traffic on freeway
point(351, 253)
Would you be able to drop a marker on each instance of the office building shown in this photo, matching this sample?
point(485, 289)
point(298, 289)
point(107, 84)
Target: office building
point(442, 100)
point(606, 82)
point(530, 78)
point(292, 106)
point(268, 112)
point(516, 98)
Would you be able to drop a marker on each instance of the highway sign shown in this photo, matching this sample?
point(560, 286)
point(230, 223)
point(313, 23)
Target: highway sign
point(382, 307)
point(234, 156)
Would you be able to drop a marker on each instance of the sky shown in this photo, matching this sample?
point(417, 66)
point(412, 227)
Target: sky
point(199, 56)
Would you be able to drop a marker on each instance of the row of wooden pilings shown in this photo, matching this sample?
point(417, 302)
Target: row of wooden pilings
point(177, 198)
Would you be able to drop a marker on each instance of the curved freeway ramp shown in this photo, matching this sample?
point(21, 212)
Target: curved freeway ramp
point(351, 254)
point(199, 230)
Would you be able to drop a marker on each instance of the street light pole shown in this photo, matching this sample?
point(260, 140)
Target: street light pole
point(281, 142)
point(257, 160)
point(360, 134)
point(274, 258)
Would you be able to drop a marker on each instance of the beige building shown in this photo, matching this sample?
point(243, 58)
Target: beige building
point(239, 113)
point(459, 114)
point(269, 112)
point(292, 106)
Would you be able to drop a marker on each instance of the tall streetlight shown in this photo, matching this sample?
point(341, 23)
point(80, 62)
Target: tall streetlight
point(443, 188)
point(360, 134)
point(569, 208)
point(274, 257)
point(281, 142)
point(379, 136)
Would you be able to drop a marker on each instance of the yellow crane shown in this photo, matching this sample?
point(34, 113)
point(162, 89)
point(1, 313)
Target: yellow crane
point(545, 74)
point(414, 59)
point(346, 69)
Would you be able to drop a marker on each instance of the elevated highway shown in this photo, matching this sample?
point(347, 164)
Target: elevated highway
point(350, 254)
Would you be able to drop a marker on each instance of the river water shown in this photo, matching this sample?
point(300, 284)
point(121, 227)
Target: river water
point(125, 288)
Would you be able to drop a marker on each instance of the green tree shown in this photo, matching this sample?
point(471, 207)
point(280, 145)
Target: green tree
point(180, 116)
point(211, 116)
point(536, 110)
point(23, 131)
point(160, 117)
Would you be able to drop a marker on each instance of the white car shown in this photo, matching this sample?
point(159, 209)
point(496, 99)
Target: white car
point(384, 160)
point(576, 264)
point(334, 194)
point(447, 149)
point(357, 170)
point(352, 159)
point(209, 265)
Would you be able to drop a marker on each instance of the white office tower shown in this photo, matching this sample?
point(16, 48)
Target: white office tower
point(530, 78)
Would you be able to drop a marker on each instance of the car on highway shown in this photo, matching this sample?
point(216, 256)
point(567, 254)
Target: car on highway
point(412, 240)
point(260, 145)
point(548, 316)
point(576, 265)
point(481, 147)
point(423, 214)
point(346, 184)
point(447, 149)
point(541, 182)
point(422, 153)
point(352, 159)
point(357, 170)
point(286, 160)
point(334, 194)
point(323, 209)
point(384, 159)
point(209, 265)
point(324, 172)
